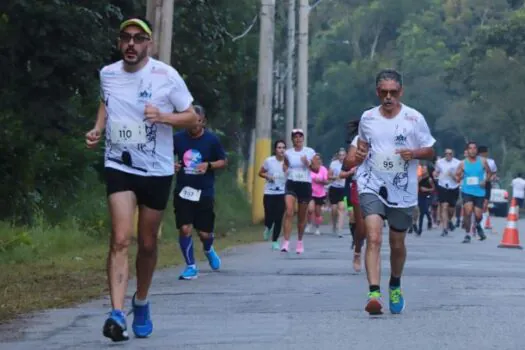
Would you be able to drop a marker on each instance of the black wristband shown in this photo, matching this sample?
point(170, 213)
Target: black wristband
point(209, 166)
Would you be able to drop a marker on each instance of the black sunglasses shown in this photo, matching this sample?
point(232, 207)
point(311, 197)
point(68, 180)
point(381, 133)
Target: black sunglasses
point(137, 38)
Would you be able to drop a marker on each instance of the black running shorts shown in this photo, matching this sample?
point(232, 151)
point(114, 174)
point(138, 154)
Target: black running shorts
point(200, 215)
point(151, 191)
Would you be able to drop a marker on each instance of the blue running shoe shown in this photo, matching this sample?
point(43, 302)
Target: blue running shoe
point(213, 259)
point(115, 326)
point(397, 302)
point(189, 273)
point(142, 325)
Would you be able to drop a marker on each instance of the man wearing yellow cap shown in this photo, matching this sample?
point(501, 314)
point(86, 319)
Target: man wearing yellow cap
point(142, 99)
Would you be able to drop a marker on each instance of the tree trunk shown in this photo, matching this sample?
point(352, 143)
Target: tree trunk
point(379, 28)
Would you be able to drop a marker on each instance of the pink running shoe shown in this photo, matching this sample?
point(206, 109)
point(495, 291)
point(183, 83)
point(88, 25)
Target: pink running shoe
point(285, 246)
point(299, 249)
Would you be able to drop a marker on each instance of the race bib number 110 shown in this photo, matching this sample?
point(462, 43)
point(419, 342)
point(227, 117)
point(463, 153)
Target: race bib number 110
point(128, 133)
point(388, 163)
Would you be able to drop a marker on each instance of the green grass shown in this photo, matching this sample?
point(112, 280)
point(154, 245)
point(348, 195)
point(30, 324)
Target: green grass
point(48, 266)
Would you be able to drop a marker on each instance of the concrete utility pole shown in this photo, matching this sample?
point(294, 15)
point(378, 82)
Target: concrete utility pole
point(166, 29)
point(290, 69)
point(153, 15)
point(250, 173)
point(263, 129)
point(302, 68)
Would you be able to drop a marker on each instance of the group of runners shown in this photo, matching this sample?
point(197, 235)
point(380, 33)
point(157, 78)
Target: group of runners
point(377, 176)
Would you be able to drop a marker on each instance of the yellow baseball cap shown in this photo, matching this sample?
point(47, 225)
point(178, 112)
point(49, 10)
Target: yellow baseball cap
point(136, 22)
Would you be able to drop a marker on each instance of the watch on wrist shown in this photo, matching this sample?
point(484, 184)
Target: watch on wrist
point(209, 166)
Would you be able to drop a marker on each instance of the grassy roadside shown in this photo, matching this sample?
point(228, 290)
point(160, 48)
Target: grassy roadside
point(79, 275)
point(58, 265)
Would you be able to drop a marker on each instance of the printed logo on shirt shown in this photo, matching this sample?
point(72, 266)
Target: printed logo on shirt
point(191, 159)
point(144, 92)
point(400, 139)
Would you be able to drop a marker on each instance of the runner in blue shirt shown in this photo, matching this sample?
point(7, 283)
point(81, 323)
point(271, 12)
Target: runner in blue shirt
point(199, 154)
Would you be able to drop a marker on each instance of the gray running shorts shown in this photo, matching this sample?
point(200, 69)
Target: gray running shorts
point(399, 219)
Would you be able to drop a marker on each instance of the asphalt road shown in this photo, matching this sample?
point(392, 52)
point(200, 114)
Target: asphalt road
point(459, 296)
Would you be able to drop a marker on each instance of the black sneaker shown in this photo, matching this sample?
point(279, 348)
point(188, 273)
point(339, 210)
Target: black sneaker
point(481, 233)
point(445, 233)
point(467, 239)
point(451, 226)
point(115, 327)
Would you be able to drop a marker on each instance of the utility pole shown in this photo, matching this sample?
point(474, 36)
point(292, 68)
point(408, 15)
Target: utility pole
point(166, 31)
point(290, 69)
point(154, 15)
point(263, 126)
point(302, 68)
point(250, 173)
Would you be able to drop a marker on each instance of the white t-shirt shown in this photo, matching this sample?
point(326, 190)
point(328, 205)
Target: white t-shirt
point(447, 172)
point(354, 141)
point(336, 167)
point(297, 171)
point(518, 188)
point(383, 167)
point(274, 168)
point(126, 94)
point(492, 165)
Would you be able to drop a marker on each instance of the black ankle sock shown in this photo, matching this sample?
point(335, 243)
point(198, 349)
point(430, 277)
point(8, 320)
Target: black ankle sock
point(352, 229)
point(395, 281)
point(374, 288)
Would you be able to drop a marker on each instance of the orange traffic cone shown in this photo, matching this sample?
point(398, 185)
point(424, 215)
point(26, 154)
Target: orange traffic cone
point(511, 236)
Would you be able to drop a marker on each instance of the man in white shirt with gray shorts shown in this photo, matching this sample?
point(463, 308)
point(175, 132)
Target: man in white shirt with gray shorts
point(392, 138)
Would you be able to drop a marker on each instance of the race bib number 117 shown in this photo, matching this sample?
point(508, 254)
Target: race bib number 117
point(190, 194)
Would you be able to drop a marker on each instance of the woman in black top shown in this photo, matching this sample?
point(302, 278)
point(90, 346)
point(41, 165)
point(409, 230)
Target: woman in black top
point(426, 188)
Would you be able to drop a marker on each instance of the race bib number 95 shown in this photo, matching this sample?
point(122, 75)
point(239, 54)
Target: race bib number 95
point(128, 133)
point(388, 163)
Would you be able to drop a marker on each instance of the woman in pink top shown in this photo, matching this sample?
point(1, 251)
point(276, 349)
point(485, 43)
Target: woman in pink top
point(319, 179)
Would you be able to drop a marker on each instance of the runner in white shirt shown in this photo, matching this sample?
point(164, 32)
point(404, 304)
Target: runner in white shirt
point(139, 95)
point(392, 137)
point(448, 188)
point(518, 189)
point(272, 171)
point(336, 191)
point(297, 162)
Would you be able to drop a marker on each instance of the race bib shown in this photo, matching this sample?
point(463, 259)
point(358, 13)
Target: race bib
point(472, 180)
point(299, 175)
point(388, 163)
point(128, 133)
point(279, 179)
point(190, 194)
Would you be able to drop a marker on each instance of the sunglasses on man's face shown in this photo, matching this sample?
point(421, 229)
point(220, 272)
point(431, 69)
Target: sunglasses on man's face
point(137, 38)
point(383, 93)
